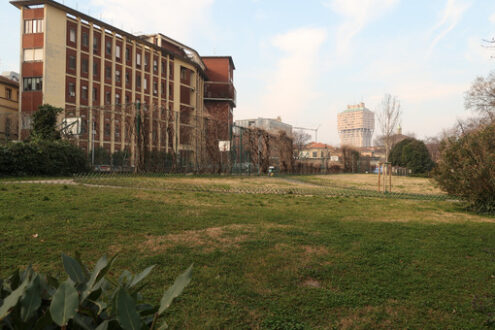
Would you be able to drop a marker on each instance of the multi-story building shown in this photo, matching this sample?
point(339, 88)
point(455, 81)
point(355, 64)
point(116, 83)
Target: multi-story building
point(220, 94)
point(124, 90)
point(356, 126)
point(270, 125)
point(9, 107)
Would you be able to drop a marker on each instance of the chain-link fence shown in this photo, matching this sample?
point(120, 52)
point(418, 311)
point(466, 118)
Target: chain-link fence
point(282, 185)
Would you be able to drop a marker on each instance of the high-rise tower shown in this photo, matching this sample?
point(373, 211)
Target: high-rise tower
point(356, 125)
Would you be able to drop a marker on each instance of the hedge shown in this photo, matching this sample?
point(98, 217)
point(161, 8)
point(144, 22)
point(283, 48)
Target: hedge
point(41, 158)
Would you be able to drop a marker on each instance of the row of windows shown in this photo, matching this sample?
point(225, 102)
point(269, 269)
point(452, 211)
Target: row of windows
point(84, 94)
point(108, 49)
point(33, 26)
point(71, 92)
point(108, 74)
point(32, 84)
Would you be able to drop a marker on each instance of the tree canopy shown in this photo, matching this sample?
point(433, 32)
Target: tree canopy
point(413, 154)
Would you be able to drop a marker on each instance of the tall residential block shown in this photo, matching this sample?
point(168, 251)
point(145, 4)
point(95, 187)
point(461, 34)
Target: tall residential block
point(356, 126)
point(106, 78)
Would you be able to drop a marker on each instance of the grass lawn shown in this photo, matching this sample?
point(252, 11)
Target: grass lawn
point(400, 184)
point(263, 261)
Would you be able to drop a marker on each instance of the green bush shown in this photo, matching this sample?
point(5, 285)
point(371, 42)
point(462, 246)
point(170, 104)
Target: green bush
point(41, 157)
point(85, 300)
point(413, 154)
point(467, 167)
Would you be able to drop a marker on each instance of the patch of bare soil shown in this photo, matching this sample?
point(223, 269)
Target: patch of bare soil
point(209, 239)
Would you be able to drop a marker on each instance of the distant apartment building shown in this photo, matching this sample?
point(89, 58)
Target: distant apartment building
point(356, 126)
point(9, 108)
point(268, 124)
point(106, 78)
point(316, 150)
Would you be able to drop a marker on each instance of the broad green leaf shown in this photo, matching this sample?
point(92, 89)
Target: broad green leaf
point(163, 326)
point(100, 304)
point(73, 269)
point(141, 276)
point(77, 256)
point(101, 269)
point(103, 325)
point(64, 303)
point(127, 315)
point(31, 300)
point(125, 278)
point(13, 298)
point(83, 321)
point(176, 289)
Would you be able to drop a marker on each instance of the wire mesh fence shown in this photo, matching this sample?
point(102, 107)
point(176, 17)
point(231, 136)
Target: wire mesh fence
point(279, 185)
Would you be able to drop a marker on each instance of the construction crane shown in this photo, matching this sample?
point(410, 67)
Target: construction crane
point(310, 129)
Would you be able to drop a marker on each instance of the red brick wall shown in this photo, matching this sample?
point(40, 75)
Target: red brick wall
point(32, 69)
point(217, 69)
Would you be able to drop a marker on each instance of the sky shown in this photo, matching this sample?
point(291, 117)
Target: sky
point(306, 60)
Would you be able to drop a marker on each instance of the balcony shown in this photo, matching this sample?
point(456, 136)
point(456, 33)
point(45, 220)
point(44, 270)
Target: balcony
point(220, 91)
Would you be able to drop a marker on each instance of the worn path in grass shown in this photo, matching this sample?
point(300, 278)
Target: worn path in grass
point(263, 261)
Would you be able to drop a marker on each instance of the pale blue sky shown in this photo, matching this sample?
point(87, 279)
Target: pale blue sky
point(305, 60)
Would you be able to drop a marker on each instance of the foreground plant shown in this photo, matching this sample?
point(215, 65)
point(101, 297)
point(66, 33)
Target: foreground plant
point(86, 300)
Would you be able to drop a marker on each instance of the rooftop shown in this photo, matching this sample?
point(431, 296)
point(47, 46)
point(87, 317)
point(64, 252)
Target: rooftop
point(8, 81)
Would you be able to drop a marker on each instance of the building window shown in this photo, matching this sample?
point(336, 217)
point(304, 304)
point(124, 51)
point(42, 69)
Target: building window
point(117, 52)
point(108, 98)
point(32, 84)
point(108, 47)
point(72, 35)
point(155, 88)
point(138, 59)
point(8, 93)
point(108, 72)
point(27, 122)
point(72, 62)
point(117, 98)
point(96, 43)
point(84, 65)
point(138, 81)
point(146, 60)
point(127, 54)
point(33, 26)
point(72, 89)
point(127, 99)
point(95, 69)
point(315, 154)
point(85, 39)
point(155, 66)
point(31, 55)
point(117, 75)
point(127, 77)
point(107, 129)
point(84, 92)
point(145, 83)
point(95, 94)
point(117, 130)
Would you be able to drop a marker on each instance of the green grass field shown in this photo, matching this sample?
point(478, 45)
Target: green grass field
point(273, 261)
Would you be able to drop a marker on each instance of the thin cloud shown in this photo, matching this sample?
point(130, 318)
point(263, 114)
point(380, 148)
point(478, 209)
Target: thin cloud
point(357, 14)
point(492, 18)
point(452, 15)
point(177, 19)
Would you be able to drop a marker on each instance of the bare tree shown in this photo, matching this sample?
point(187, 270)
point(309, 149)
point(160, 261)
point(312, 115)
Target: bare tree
point(481, 96)
point(300, 140)
point(388, 119)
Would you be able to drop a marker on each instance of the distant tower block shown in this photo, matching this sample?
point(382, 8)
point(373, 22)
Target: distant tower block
point(356, 126)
